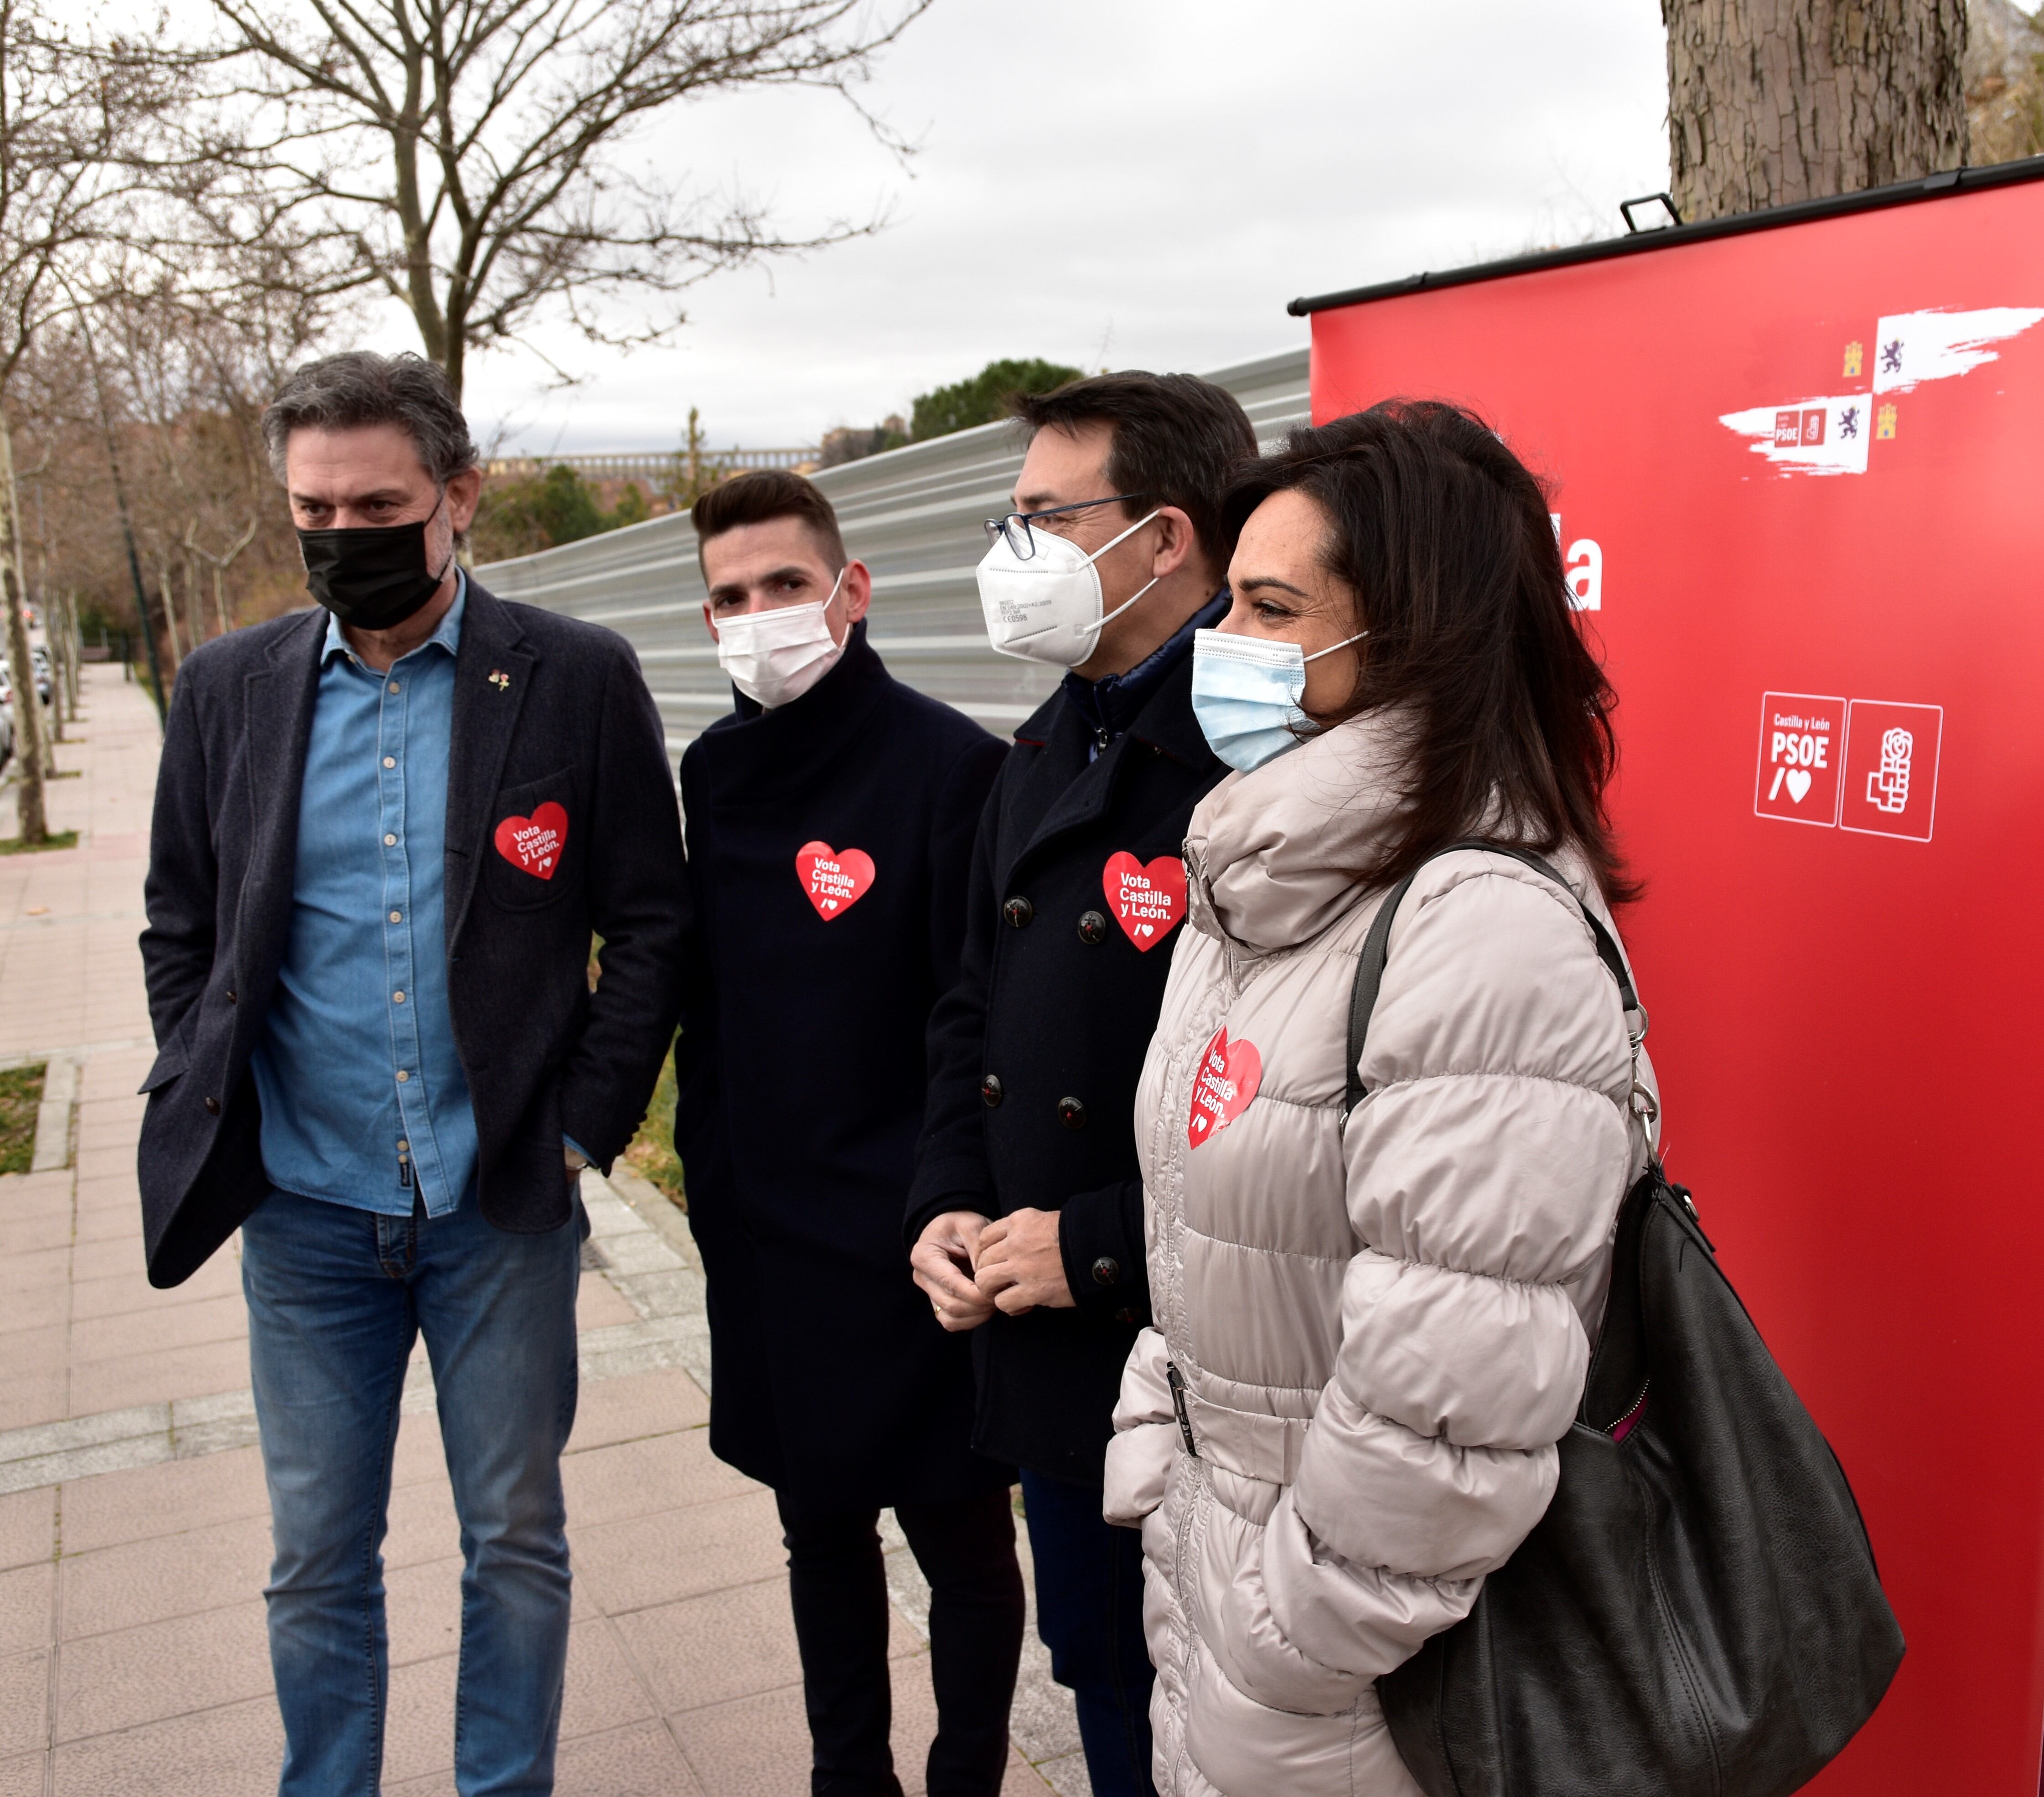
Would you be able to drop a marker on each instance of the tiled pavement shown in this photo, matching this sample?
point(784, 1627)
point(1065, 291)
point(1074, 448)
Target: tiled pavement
point(134, 1533)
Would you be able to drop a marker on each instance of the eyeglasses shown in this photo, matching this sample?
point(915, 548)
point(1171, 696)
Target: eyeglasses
point(1014, 529)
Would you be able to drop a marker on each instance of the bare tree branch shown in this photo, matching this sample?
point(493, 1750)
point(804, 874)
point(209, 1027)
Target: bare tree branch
point(469, 157)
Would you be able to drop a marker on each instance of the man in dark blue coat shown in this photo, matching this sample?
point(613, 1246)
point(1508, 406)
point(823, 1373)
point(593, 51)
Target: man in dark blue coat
point(1026, 1218)
point(830, 821)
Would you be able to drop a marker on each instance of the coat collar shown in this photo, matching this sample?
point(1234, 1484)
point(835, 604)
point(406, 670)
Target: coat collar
point(1270, 855)
point(1083, 790)
point(493, 672)
point(752, 754)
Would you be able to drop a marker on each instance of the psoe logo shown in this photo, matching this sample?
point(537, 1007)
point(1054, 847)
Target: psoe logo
point(1582, 564)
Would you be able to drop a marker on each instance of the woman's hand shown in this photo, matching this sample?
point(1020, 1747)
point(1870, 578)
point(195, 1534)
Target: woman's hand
point(1020, 1264)
point(942, 1260)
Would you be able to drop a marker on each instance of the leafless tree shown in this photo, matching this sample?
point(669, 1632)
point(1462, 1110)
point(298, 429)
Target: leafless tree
point(1774, 101)
point(470, 157)
point(72, 116)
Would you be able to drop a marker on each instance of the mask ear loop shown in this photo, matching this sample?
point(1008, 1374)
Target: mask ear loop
point(1110, 617)
point(1333, 646)
point(454, 548)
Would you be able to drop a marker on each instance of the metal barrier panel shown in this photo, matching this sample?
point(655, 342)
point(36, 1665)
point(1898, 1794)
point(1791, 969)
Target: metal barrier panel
point(912, 515)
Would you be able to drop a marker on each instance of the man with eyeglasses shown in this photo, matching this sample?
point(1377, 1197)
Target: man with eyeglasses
point(1025, 1219)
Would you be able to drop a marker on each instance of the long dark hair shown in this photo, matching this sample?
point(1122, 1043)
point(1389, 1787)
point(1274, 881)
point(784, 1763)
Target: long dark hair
point(1445, 537)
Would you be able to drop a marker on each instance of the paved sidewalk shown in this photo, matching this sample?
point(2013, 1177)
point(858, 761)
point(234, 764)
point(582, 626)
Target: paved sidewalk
point(134, 1531)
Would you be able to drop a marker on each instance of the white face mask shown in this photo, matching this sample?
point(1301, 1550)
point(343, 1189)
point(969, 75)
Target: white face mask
point(1245, 694)
point(1049, 607)
point(773, 656)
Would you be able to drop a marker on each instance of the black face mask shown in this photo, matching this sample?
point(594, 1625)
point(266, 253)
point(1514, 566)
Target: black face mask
point(371, 578)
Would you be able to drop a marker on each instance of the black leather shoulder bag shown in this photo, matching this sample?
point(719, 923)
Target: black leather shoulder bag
point(1698, 1614)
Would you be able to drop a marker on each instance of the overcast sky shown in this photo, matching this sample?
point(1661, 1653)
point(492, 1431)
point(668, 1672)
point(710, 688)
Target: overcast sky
point(1111, 183)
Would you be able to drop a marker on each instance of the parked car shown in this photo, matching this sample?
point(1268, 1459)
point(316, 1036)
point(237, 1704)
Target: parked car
point(39, 659)
point(6, 719)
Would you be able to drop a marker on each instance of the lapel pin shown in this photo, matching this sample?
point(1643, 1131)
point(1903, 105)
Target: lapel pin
point(499, 679)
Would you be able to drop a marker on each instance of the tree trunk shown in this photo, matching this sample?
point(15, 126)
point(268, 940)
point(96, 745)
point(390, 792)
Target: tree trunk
point(28, 754)
point(75, 646)
point(1770, 102)
point(169, 590)
point(194, 611)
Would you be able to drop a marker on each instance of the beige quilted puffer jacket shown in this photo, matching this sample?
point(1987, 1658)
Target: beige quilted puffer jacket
point(1382, 1322)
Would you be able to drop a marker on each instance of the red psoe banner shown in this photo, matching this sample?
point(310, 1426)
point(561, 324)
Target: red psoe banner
point(1798, 477)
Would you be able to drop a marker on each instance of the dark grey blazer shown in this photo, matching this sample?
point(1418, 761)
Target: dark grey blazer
point(570, 720)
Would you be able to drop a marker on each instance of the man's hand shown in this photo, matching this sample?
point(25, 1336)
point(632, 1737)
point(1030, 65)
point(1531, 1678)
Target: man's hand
point(942, 1260)
point(1019, 1265)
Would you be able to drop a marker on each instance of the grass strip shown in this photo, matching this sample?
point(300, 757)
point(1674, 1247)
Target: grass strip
point(651, 1155)
point(21, 1092)
point(58, 839)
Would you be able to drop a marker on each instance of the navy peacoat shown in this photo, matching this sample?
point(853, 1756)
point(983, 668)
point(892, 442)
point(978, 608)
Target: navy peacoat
point(828, 841)
point(547, 709)
point(1078, 892)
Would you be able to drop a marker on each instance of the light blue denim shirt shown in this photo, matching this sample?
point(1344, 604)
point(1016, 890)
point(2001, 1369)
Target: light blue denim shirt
point(364, 1101)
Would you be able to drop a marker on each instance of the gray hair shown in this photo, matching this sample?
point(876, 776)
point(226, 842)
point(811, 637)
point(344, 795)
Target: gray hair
point(358, 387)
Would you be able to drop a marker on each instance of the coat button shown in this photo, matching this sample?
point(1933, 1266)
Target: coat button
point(1071, 1113)
point(1018, 910)
point(1127, 1313)
point(1092, 928)
point(991, 1091)
point(213, 1107)
point(1106, 1270)
point(231, 999)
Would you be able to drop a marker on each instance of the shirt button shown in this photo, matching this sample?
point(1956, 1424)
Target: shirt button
point(402, 1076)
point(213, 1107)
point(1018, 910)
point(389, 841)
point(398, 997)
point(389, 761)
point(404, 1147)
point(991, 1091)
point(397, 917)
point(1071, 1113)
point(393, 687)
point(1092, 928)
point(1106, 1270)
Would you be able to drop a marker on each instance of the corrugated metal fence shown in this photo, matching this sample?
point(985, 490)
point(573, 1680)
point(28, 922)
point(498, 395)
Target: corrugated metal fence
point(913, 515)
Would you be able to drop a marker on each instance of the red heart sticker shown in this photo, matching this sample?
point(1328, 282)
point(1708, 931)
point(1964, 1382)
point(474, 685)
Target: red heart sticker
point(1229, 1073)
point(834, 880)
point(533, 844)
point(1145, 901)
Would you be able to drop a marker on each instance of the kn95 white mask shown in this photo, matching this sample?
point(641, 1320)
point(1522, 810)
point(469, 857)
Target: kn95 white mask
point(1047, 607)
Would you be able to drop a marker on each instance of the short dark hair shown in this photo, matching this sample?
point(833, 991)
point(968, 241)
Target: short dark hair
point(1177, 440)
point(358, 387)
point(760, 494)
point(1443, 535)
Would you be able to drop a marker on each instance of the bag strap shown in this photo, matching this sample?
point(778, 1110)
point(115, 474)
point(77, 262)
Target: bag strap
point(1376, 950)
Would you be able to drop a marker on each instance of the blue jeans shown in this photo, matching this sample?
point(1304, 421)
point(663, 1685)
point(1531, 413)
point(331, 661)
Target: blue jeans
point(336, 1298)
point(1089, 1615)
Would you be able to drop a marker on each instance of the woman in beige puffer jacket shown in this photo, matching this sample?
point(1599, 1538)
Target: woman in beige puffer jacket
point(1378, 1322)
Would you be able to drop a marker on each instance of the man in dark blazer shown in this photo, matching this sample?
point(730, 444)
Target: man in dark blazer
point(830, 820)
point(385, 831)
point(1025, 1217)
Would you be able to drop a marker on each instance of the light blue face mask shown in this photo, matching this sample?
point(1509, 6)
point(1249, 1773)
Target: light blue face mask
point(1245, 694)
